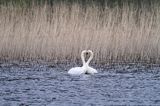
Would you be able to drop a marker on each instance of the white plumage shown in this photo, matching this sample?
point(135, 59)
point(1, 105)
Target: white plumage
point(85, 69)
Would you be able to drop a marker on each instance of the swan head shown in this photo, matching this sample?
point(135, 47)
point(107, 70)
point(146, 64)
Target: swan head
point(87, 52)
point(90, 51)
point(83, 52)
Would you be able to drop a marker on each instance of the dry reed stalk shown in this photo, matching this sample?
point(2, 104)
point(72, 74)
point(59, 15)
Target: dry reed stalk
point(61, 32)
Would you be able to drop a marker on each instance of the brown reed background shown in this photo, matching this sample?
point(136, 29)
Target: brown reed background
point(60, 32)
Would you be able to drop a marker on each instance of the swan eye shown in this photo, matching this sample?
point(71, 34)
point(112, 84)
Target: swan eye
point(87, 53)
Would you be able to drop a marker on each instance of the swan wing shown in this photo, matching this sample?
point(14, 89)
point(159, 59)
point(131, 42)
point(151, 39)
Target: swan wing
point(91, 70)
point(76, 71)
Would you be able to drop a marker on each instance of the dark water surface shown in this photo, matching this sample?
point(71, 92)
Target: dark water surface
point(26, 84)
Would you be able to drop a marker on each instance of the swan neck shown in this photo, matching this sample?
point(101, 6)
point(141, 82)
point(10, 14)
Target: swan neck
point(82, 57)
point(90, 58)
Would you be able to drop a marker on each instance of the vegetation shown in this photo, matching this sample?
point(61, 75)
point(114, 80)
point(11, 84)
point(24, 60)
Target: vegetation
point(116, 31)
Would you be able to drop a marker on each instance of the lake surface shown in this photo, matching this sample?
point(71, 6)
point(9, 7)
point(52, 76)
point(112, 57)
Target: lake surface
point(37, 84)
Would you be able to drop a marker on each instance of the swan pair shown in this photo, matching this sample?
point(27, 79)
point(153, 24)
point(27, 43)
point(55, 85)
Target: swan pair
point(85, 69)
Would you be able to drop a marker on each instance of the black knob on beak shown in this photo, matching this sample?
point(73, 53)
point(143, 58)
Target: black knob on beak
point(87, 53)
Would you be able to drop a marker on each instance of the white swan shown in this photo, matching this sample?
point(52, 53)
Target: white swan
point(79, 70)
point(89, 69)
point(85, 69)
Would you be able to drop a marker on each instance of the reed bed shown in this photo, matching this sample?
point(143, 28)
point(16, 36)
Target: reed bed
point(60, 32)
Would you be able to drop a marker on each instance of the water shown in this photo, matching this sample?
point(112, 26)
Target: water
point(26, 84)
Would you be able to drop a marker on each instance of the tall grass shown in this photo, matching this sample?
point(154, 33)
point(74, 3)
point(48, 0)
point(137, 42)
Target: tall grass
point(61, 32)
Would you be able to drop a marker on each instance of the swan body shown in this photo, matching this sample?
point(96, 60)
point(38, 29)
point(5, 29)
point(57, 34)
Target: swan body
point(85, 69)
point(76, 71)
point(79, 70)
point(90, 70)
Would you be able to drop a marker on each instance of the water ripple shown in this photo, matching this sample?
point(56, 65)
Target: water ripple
point(40, 85)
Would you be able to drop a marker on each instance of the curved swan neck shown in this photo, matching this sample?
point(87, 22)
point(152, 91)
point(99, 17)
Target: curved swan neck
point(90, 58)
point(82, 57)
